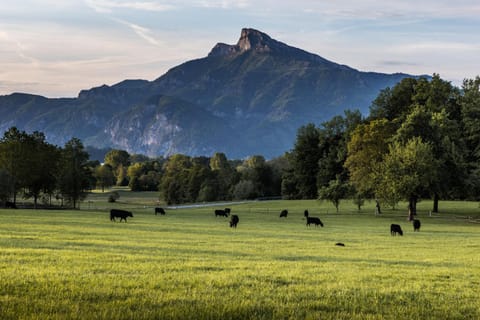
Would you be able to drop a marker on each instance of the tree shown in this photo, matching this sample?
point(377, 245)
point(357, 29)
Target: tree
point(394, 103)
point(119, 160)
point(30, 163)
point(407, 171)
point(304, 161)
point(334, 192)
point(174, 183)
point(334, 135)
point(244, 189)
point(257, 170)
point(367, 146)
point(224, 173)
point(43, 164)
point(73, 180)
point(470, 109)
point(5, 186)
point(13, 152)
point(435, 116)
point(104, 176)
point(201, 181)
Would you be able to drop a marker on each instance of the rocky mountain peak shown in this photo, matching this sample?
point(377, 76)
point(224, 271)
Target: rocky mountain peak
point(250, 39)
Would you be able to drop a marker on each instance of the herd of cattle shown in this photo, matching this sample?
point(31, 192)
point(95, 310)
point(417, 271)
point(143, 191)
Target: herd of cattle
point(234, 219)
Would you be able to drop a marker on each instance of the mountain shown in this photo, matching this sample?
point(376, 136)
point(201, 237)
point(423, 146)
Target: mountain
point(242, 99)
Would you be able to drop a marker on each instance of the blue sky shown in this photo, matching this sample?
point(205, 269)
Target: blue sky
point(56, 48)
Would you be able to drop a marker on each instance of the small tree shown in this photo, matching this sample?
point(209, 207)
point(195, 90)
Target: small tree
point(104, 176)
point(334, 192)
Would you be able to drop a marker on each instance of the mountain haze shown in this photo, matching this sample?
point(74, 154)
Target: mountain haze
point(242, 99)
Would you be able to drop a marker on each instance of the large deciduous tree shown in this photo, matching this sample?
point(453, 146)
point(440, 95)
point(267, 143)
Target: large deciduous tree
point(74, 174)
point(366, 149)
point(407, 171)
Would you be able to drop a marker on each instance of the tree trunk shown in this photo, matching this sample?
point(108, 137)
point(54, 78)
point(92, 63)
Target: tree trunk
point(435, 203)
point(412, 207)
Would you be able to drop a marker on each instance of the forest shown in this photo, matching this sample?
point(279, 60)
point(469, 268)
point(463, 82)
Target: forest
point(420, 140)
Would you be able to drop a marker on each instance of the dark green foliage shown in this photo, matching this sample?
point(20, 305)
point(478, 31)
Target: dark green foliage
point(74, 174)
point(305, 156)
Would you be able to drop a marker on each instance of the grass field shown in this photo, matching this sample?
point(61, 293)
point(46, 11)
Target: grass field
point(189, 264)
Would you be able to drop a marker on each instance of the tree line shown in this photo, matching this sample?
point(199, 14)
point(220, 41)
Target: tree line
point(420, 140)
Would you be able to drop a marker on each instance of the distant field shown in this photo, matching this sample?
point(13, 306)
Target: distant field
point(188, 264)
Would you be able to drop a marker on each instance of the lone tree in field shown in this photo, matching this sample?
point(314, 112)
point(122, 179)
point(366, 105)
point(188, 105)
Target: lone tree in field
point(334, 192)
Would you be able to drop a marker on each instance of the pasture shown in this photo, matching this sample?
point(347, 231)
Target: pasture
point(189, 264)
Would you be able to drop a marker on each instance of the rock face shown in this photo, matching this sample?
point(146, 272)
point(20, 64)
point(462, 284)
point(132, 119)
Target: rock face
point(243, 99)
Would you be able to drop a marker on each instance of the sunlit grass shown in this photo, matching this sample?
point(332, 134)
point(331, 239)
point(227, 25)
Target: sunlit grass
point(189, 264)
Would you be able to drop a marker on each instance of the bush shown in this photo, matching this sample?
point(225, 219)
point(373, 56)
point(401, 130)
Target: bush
point(114, 196)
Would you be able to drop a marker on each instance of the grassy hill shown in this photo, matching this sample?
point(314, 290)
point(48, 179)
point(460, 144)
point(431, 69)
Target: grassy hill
point(189, 264)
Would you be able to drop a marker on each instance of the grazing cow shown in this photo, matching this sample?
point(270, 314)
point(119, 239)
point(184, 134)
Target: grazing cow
point(227, 211)
point(283, 213)
point(10, 205)
point(234, 221)
point(159, 210)
point(394, 229)
point(305, 214)
point(340, 244)
point(315, 221)
point(416, 225)
point(122, 214)
point(220, 213)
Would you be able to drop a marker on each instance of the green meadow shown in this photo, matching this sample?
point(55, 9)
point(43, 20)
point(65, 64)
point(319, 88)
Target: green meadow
point(189, 264)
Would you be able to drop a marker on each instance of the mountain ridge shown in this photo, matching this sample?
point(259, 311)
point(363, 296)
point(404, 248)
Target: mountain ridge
point(254, 94)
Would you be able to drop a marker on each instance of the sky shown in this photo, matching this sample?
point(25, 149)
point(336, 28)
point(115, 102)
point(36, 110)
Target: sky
point(55, 48)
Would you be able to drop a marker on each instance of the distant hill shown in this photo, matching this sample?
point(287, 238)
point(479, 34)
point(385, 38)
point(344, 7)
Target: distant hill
point(243, 99)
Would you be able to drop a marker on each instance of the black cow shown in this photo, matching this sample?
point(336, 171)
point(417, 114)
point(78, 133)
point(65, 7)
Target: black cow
point(10, 205)
point(122, 214)
point(283, 213)
point(220, 213)
point(159, 210)
point(305, 214)
point(394, 229)
point(227, 211)
point(315, 221)
point(416, 225)
point(234, 221)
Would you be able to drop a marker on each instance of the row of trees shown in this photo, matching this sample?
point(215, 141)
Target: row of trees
point(421, 139)
point(182, 178)
point(36, 169)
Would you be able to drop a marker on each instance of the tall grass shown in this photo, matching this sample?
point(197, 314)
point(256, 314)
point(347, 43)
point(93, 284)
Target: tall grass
point(189, 264)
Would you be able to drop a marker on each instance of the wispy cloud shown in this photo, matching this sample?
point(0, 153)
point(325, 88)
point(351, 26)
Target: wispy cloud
point(142, 32)
point(223, 4)
point(106, 6)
